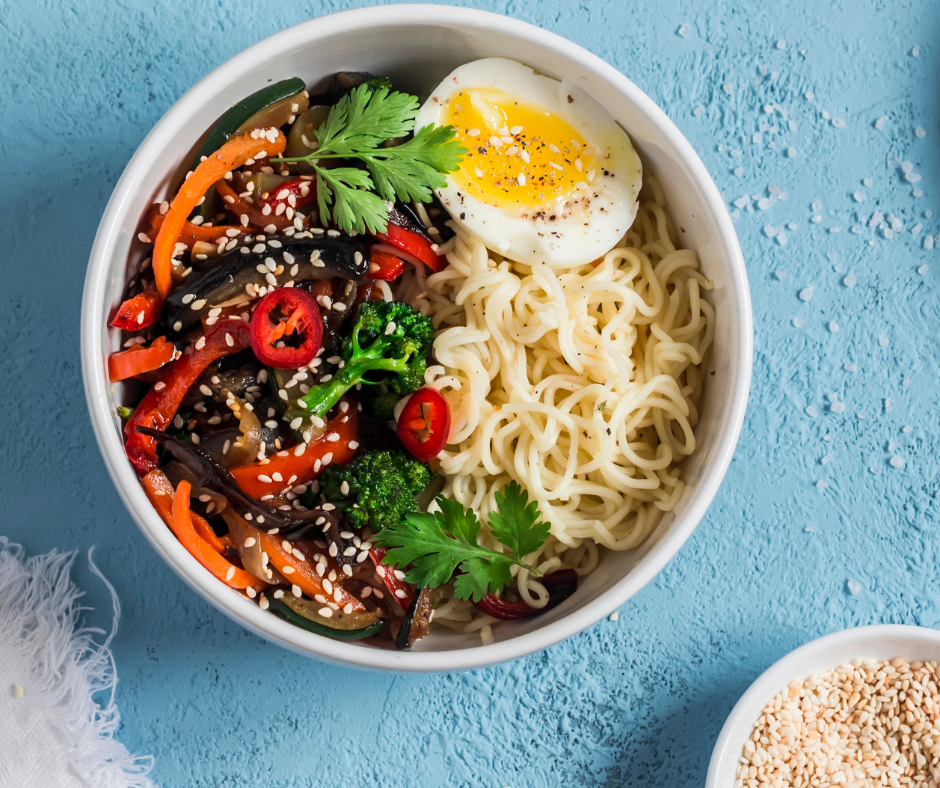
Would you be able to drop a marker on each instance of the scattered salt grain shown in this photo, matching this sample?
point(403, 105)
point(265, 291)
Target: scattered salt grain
point(728, 88)
point(797, 322)
point(883, 341)
point(826, 460)
point(809, 529)
point(781, 44)
point(684, 30)
point(850, 366)
point(781, 238)
point(860, 196)
point(875, 469)
point(815, 218)
point(833, 326)
point(770, 231)
point(855, 588)
point(780, 275)
point(822, 484)
point(838, 407)
point(839, 123)
point(896, 462)
point(888, 405)
point(836, 229)
point(613, 616)
point(817, 205)
point(916, 229)
point(812, 412)
point(907, 429)
point(792, 226)
point(923, 269)
point(699, 111)
point(861, 415)
point(809, 95)
point(917, 194)
point(920, 133)
point(880, 123)
point(915, 51)
point(806, 293)
point(928, 242)
point(739, 171)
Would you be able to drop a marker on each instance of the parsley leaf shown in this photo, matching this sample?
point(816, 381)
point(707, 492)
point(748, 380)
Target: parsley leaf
point(516, 521)
point(356, 128)
point(436, 546)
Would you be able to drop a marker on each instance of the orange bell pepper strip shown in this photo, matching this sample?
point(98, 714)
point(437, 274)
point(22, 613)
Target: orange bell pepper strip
point(288, 468)
point(139, 359)
point(192, 233)
point(175, 511)
point(234, 153)
point(299, 572)
point(255, 214)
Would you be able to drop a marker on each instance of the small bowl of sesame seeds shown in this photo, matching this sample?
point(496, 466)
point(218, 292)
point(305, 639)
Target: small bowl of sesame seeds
point(860, 707)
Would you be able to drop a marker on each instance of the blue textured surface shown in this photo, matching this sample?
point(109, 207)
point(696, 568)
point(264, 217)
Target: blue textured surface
point(633, 703)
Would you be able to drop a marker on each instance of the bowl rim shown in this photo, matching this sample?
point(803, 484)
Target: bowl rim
point(247, 613)
point(730, 744)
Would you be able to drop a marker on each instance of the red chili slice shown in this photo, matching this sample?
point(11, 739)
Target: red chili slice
point(424, 423)
point(286, 329)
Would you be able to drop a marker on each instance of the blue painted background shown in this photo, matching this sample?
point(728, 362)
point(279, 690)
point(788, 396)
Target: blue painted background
point(814, 529)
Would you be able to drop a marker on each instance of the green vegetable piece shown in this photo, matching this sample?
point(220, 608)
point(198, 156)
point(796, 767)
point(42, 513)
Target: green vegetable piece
point(435, 546)
point(381, 484)
point(516, 521)
point(290, 611)
point(389, 343)
point(356, 128)
point(234, 118)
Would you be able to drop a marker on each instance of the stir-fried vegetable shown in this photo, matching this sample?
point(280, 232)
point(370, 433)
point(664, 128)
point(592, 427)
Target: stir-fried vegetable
point(139, 311)
point(353, 626)
point(139, 359)
point(377, 488)
point(234, 153)
point(173, 507)
point(560, 585)
point(305, 461)
point(389, 343)
point(157, 409)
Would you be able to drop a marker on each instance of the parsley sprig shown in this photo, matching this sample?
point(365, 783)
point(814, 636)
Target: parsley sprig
point(356, 128)
point(436, 546)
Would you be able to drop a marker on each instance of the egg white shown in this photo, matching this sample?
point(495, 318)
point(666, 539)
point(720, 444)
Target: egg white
point(583, 226)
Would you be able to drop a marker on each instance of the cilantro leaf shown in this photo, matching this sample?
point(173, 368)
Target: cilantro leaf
point(516, 522)
point(356, 128)
point(364, 118)
point(436, 546)
point(354, 208)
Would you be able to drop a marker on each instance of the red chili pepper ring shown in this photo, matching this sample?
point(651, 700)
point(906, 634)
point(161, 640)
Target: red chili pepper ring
point(424, 423)
point(286, 329)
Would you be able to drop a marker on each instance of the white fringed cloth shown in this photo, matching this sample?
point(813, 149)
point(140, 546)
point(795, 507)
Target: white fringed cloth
point(57, 712)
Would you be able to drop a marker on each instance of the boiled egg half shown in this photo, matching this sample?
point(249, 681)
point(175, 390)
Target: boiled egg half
point(548, 177)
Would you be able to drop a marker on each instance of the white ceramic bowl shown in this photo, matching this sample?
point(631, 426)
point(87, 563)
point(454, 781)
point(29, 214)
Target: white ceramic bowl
point(882, 642)
point(417, 45)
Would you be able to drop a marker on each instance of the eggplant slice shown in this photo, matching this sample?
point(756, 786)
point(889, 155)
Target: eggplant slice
point(300, 258)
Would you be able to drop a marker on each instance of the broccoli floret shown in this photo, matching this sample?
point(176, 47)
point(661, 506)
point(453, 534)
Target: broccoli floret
point(380, 405)
point(389, 343)
point(382, 486)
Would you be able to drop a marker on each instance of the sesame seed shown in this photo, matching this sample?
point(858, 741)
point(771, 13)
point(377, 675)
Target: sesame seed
point(325, 612)
point(264, 478)
point(354, 445)
point(401, 593)
point(344, 488)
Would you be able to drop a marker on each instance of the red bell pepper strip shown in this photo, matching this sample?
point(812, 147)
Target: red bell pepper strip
point(560, 585)
point(174, 509)
point(302, 188)
point(139, 311)
point(401, 592)
point(385, 266)
point(157, 409)
point(412, 243)
point(288, 468)
point(139, 359)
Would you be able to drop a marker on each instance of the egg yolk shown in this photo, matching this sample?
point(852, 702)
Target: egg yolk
point(519, 155)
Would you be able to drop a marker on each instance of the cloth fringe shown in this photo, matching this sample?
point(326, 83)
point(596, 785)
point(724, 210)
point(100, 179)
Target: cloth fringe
point(41, 634)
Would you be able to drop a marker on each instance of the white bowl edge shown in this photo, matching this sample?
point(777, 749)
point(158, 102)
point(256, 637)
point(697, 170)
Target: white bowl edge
point(669, 537)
